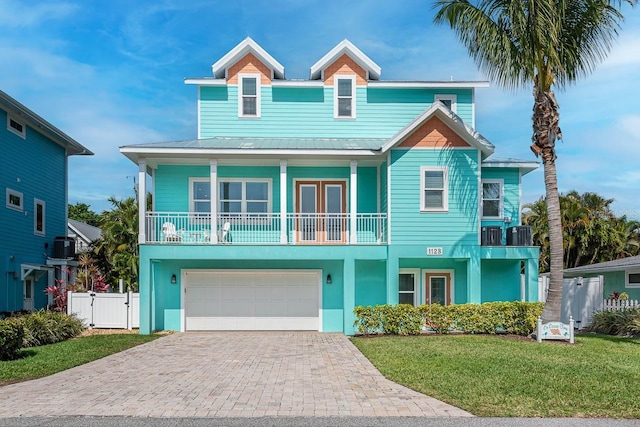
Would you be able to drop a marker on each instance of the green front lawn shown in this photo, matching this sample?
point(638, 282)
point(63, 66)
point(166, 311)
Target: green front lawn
point(46, 360)
point(502, 377)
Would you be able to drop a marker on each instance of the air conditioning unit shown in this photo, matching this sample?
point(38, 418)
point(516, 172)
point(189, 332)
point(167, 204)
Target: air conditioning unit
point(491, 236)
point(519, 236)
point(64, 247)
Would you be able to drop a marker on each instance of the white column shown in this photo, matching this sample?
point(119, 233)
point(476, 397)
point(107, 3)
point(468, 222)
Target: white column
point(283, 202)
point(142, 201)
point(213, 166)
point(353, 205)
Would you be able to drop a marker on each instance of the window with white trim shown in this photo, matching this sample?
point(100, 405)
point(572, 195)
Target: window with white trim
point(246, 197)
point(632, 278)
point(15, 200)
point(434, 189)
point(16, 126)
point(344, 91)
point(249, 95)
point(450, 101)
point(39, 213)
point(492, 198)
point(407, 286)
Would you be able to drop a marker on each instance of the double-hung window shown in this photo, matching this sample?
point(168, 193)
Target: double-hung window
point(450, 101)
point(407, 286)
point(344, 97)
point(434, 192)
point(15, 200)
point(237, 197)
point(39, 217)
point(492, 196)
point(16, 126)
point(245, 197)
point(249, 95)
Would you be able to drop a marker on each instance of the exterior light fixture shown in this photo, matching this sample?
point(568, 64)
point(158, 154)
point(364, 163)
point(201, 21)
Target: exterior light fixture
point(329, 281)
point(174, 280)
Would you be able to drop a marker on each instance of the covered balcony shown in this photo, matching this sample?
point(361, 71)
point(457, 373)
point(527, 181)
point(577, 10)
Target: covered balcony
point(189, 228)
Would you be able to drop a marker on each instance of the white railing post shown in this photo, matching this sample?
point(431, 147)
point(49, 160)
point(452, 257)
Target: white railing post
point(142, 201)
point(353, 205)
point(69, 302)
point(213, 176)
point(283, 202)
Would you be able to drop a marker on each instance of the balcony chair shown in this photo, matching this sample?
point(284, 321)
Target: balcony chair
point(169, 233)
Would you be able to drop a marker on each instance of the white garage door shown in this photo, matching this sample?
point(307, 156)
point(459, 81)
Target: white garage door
point(251, 300)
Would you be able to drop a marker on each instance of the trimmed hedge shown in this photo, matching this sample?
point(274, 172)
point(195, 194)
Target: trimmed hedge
point(11, 338)
point(517, 318)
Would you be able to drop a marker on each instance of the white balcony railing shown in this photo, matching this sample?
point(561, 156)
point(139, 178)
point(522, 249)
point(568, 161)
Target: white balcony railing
point(264, 229)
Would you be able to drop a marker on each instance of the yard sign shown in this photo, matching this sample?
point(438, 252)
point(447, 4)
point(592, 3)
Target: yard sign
point(555, 331)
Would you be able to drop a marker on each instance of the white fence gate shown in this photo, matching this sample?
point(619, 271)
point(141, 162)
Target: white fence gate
point(105, 310)
point(581, 296)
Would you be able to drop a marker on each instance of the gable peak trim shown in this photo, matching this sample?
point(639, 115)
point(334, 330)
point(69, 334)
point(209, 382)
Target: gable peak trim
point(248, 45)
point(345, 47)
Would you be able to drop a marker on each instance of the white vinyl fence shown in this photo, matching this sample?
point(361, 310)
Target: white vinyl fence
point(105, 310)
point(581, 296)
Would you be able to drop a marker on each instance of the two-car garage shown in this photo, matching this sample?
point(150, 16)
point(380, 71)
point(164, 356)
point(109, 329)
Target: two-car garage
point(251, 300)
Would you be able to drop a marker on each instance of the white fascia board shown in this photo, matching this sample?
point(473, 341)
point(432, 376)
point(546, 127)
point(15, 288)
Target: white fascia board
point(426, 85)
point(297, 83)
point(449, 118)
point(247, 45)
point(525, 167)
point(244, 152)
point(346, 47)
point(205, 81)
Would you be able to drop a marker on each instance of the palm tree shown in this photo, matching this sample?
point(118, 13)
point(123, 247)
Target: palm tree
point(543, 44)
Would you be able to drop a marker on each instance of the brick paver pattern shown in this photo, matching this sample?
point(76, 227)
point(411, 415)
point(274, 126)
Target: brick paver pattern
point(225, 374)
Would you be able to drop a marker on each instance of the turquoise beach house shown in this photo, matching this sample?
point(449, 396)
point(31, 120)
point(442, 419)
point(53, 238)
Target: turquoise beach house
point(34, 249)
point(301, 199)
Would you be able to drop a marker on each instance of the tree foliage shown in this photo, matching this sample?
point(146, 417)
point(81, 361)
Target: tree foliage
point(540, 44)
point(592, 232)
point(82, 212)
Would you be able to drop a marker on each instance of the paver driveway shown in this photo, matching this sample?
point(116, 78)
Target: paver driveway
point(226, 374)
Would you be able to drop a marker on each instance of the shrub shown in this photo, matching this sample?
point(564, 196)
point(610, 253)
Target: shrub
point(367, 319)
point(489, 318)
point(436, 317)
point(11, 338)
point(623, 322)
point(48, 327)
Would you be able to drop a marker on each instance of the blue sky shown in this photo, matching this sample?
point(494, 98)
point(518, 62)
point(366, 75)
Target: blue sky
point(110, 73)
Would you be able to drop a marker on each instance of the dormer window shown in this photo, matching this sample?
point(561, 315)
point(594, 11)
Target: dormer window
point(16, 126)
point(450, 101)
point(249, 95)
point(345, 97)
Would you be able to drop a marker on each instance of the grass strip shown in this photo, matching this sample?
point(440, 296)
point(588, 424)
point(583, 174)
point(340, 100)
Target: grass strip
point(38, 362)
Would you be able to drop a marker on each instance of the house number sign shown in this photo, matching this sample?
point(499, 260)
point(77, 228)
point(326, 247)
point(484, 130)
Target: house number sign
point(434, 251)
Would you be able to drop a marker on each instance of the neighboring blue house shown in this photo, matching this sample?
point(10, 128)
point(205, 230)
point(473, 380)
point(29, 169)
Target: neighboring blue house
point(33, 180)
point(302, 199)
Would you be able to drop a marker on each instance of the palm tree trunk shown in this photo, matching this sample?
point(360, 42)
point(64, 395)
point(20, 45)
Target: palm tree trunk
point(546, 130)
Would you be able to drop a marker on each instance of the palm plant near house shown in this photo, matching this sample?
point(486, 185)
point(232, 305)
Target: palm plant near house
point(543, 44)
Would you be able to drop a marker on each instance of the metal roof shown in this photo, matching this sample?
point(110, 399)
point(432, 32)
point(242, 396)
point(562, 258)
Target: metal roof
point(234, 143)
point(89, 232)
point(615, 265)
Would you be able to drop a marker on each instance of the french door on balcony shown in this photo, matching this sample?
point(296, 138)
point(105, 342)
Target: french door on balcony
point(321, 212)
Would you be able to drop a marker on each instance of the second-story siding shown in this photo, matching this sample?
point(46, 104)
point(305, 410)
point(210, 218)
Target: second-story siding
point(37, 169)
point(459, 224)
point(309, 112)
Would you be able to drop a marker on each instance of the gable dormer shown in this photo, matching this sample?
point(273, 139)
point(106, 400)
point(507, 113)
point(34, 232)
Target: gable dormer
point(345, 59)
point(247, 57)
